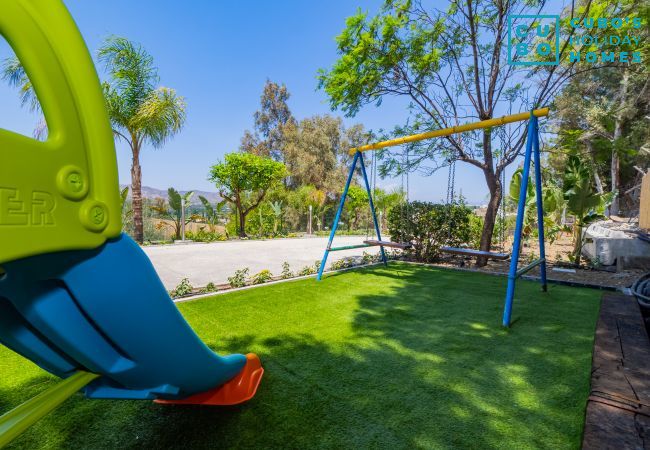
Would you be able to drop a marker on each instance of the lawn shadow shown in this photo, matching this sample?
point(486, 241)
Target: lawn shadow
point(530, 381)
point(427, 365)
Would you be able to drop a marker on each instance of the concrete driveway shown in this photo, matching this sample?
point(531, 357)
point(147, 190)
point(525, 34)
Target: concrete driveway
point(215, 262)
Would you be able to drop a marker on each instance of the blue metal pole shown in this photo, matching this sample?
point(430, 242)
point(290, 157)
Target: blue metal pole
point(338, 216)
point(372, 208)
point(521, 207)
point(540, 203)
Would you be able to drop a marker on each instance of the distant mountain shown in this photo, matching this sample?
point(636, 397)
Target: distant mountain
point(152, 193)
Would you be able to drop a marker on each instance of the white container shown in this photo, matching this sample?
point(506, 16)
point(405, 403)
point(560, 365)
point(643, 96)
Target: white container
point(606, 241)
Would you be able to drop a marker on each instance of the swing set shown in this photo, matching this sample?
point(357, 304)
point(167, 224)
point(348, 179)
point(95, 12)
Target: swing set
point(532, 153)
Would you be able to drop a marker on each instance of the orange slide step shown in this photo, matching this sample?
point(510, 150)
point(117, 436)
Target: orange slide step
point(238, 390)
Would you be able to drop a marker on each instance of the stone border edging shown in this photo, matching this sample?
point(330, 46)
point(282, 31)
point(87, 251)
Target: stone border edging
point(253, 286)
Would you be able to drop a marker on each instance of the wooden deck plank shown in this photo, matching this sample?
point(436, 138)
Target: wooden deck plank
point(608, 427)
point(618, 410)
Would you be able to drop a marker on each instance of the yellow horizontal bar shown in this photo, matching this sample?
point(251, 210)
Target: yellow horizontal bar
point(452, 130)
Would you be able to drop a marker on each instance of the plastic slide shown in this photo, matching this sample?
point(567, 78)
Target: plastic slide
point(77, 295)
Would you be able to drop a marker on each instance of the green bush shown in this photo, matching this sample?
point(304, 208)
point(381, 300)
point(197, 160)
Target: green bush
point(367, 258)
point(239, 278)
point(262, 277)
point(204, 236)
point(342, 263)
point(184, 288)
point(210, 287)
point(429, 226)
point(286, 271)
point(476, 229)
point(392, 254)
point(307, 270)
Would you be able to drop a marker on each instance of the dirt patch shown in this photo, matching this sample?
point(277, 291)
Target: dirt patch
point(557, 263)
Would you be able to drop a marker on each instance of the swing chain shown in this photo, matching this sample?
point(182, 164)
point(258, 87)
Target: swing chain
point(451, 181)
point(408, 168)
point(502, 213)
point(405, 182)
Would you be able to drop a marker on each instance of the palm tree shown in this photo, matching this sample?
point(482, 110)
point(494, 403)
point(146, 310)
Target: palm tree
point(173, 210)
point(278, 212)
point(140, 112)
point(583, 202)
point(214, 214)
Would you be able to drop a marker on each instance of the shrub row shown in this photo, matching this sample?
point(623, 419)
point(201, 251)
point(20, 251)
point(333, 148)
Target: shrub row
point(429, 226)
point(242, 277)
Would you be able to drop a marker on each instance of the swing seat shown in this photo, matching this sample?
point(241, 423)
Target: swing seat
point(399, 245)
point(475, 253)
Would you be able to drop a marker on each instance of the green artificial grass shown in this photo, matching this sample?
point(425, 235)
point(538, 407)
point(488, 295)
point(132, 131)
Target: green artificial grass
point(399, 357)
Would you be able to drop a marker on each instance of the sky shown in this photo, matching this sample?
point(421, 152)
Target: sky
point(218, 55)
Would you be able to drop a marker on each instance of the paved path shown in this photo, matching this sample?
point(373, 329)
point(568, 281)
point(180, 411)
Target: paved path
point(215, 262)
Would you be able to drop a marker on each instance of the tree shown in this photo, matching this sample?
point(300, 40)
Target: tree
point(583, 202)
point(600, 117)
point(385, 201)
point(267, 137)
point(213, 214)
point(173, 209)
point(601, 114)
point(357, 198)
point(316, 152)
point(277, 208)
point(451, 67)
point(140, 112)
point(244, 179)
point(301, 198)
point(125, 208)
point(317, 199)
point(552, 203)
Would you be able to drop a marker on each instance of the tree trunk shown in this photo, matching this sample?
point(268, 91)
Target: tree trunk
point(242, 222)
point(597, 180)
point(494, 185)
point(599, 183)
point(177, 228)
point(577, 246)
point(136, 195)
point(614, 169)
point(618, 133)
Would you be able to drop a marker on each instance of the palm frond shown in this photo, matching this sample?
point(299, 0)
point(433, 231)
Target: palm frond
point(209, 210)
point(117, 109)
point(41, 130)
point(14, 74)
point(13, 71)
point(160, 116)
point(132, 71)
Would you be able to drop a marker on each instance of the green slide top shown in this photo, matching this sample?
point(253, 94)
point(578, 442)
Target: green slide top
point(61, 194)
